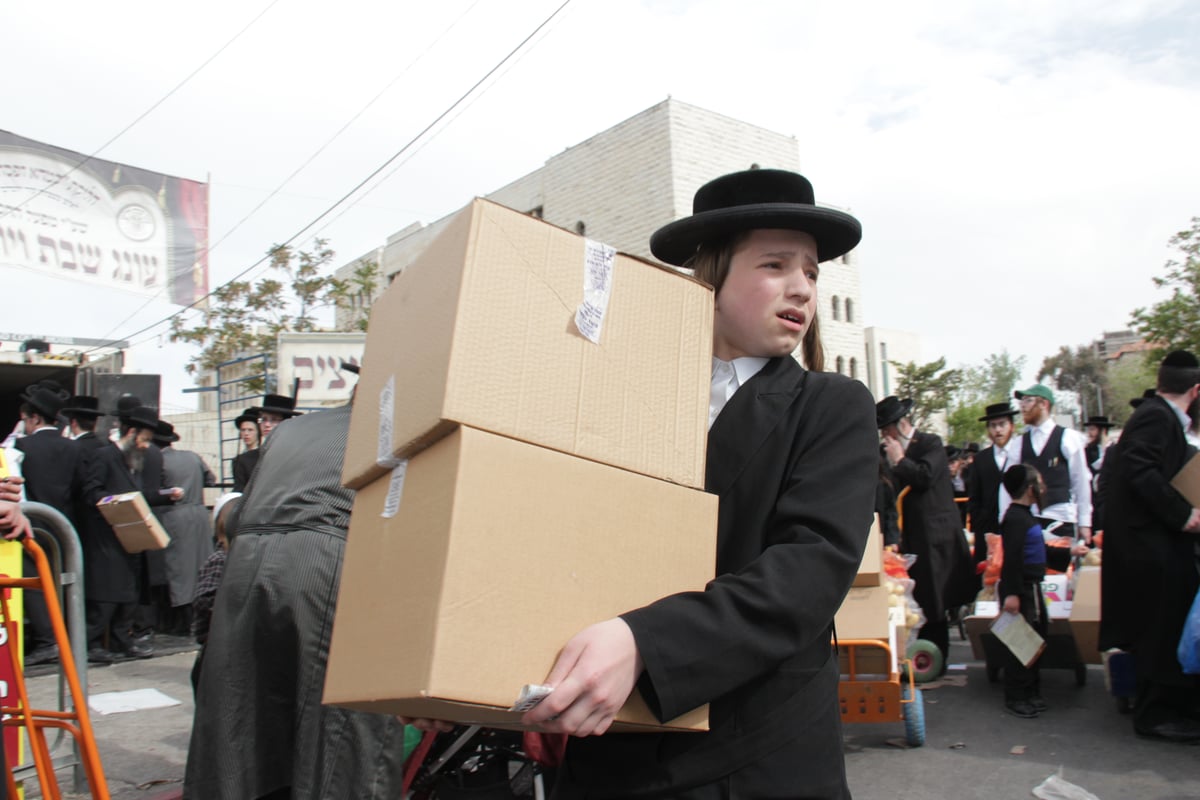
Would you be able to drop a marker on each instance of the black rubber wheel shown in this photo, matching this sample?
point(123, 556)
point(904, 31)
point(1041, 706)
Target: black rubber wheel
point(914, 717)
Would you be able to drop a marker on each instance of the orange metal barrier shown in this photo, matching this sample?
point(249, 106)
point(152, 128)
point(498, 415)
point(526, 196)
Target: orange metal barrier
point(36, 721)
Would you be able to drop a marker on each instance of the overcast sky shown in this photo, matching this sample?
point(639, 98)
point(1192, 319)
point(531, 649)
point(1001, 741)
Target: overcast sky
point(1018, 166)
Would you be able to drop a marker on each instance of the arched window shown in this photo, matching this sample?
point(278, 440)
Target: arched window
point(836, 311)
point(849, 310)
point(853, 365)
point(841, 365)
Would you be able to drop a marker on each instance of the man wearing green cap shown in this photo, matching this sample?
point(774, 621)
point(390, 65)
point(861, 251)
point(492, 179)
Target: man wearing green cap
point(1058, 454)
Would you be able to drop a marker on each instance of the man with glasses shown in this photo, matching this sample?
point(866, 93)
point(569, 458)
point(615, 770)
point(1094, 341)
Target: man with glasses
point(1058, 454)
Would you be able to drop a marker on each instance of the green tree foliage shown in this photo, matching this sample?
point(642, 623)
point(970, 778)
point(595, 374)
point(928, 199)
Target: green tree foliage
point(245, 318)
point(1174, 323)
point(991, 382)
point(1128, 377)
point(1081, 371)
point(931, 387)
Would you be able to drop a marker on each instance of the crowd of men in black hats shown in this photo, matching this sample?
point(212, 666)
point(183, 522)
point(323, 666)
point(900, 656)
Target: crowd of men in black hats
point(56, 456)
point(1050, 480)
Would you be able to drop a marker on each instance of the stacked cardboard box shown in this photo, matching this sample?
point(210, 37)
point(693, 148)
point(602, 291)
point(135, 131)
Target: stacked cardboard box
point(133, 523)
point(1085, 614)
point(517, 480)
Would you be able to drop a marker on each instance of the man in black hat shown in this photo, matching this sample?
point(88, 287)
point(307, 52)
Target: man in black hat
point(250, 435)
point(82, 412)
point(932, 527)
point(53, 475)
point(1096, 430)
point(985, 490)
point(113, 578)
point(1150, 575)
point(274, 410)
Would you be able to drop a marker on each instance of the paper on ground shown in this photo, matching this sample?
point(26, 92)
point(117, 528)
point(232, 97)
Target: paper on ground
point(133, 700)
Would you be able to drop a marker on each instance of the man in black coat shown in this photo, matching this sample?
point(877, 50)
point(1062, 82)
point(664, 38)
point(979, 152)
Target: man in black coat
point(112, 577)
point(1151, 571)
point(931, 528)
point(984, 485)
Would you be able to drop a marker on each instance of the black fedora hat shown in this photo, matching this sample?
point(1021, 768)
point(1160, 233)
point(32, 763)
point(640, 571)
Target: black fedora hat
point(891, 409)
point(1099, 422)
point(46, 398)
point(1146, 395)
point(125, 404)
point(279, 404)
point(997, 411)
point(249, 415)
point(164, 433)
point(142, 417)
point(756, 198)
point(82, 405)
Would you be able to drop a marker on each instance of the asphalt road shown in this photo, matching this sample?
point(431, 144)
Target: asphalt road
point(969, 752)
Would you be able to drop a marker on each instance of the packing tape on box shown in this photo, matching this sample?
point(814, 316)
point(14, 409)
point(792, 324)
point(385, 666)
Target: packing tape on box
point(387, 423)
point(598, 261)
point(391, 503)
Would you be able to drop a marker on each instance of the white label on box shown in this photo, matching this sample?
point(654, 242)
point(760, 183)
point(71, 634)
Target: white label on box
point(395, 489)
point(387, 423)
point(598, 260)
point(987, 608)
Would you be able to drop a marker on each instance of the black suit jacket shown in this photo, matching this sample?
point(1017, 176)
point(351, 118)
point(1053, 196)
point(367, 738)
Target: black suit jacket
point(983, 499)
point(52, 470)
point(110, 573)
point(1150, 569)
point(932, 527)
point(793, 457)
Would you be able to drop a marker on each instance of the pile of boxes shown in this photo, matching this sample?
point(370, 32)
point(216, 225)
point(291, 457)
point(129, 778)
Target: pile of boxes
point(527, 444)
point(867, 614)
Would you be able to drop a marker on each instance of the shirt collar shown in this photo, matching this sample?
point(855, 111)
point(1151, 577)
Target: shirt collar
point(747, 367)
point(1183, 418)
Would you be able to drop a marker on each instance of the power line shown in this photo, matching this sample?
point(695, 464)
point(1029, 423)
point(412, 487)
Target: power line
point(305, 163)
point(463, 97)
point(140, 117)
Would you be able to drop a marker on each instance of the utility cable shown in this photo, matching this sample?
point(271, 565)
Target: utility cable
point(407, 146)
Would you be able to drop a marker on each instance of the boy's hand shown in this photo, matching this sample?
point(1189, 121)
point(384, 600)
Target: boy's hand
point(592, 679)
point(10, 489)
point(1012, 604)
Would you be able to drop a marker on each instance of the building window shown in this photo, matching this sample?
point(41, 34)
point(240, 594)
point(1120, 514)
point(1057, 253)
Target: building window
point(849, 310)
point(580, 228)
point(536, 212)
point(841, 365)
point(854, 368)
point(836, 311)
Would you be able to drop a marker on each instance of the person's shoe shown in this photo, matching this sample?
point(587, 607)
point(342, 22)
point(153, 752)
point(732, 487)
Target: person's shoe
point(100, 656)
point(1021, 708)
point(1039, 705)
point(136, 650)
point(1181, 731)
point(46, 654)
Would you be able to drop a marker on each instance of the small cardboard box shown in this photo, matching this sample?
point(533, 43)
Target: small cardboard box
point(864, 614)
point(1085, 614)
point(870, 571)
point(1057, 595)
point(497, 553)
point(133, 522)
point(482, 330)
point(1187, 481)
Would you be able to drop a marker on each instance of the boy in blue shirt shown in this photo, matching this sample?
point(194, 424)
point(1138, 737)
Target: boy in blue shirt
point(1025, 560)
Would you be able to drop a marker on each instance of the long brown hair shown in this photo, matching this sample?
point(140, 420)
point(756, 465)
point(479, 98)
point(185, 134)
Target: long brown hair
point(711, 265)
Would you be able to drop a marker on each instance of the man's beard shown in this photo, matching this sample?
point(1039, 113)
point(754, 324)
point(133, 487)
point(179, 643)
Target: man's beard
point(135, 459)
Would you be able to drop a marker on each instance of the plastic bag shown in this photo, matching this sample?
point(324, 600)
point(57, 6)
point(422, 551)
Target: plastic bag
point(1189, 642)
point(1057, 788)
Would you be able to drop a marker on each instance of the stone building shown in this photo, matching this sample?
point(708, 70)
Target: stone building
point(622, 184)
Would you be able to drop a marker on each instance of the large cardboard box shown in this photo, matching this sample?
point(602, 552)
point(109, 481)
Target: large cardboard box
point(481, 330)
point(863, 614)
point(497, 553)
point(133, 523)
point(1187, 481)
point(870, 571)
point(1085, 614)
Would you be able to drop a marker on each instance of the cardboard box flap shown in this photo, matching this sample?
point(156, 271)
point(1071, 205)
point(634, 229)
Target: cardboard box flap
point(1187, 481)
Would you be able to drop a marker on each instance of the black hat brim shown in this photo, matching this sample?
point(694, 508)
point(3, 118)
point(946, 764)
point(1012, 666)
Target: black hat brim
point(82, 412)
point(835, 232)
point(283, 412)
point(898, 413)
point(999, 415)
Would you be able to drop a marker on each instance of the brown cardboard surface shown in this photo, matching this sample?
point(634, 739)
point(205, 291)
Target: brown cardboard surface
point(864, 614)
point(1085, 614)
point(133, 523)
point(480, 331)
point(1187, 481)
point(870, 571)
point(500, 551)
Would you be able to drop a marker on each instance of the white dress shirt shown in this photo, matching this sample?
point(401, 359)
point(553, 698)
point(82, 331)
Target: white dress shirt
point(1005, 457)
point(727, 378)
point(1078, 509)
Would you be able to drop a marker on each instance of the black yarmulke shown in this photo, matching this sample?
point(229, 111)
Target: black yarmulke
point(1180, 358)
